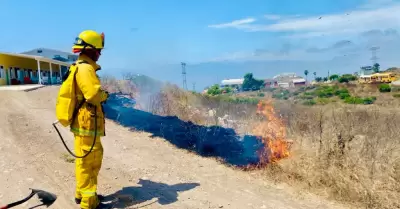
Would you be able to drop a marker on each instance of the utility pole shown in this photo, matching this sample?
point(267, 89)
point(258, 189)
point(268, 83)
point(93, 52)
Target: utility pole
point(374, 58)
point(194, 86)
point(184, 75)
point(328, 75)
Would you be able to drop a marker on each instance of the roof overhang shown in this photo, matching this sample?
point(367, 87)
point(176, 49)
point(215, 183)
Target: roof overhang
point(38, 58)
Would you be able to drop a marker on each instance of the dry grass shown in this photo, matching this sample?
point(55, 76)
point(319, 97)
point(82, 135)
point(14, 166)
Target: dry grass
point(349, 152)
point(200, 109)
point(352, 152)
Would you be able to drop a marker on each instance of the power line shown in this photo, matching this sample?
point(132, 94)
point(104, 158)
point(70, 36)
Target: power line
point(184, 75)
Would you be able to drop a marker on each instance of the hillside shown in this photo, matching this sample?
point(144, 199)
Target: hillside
point(154, 172)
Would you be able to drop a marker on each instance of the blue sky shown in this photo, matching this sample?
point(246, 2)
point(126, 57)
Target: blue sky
point(218, 39)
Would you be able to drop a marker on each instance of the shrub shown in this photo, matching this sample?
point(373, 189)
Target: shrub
point(369, 100)
point(359, 100)
point(343, 80)
point(340, 91)
point(396, 95)
point(325, 92)
point(354, 100)
point(344, 95)
point(384, 87)
point(281, 94)
point(309, 102)
point(214, 90)
point(260, 94)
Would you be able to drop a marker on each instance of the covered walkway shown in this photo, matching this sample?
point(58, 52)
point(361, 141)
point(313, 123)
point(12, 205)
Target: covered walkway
point(18, 69)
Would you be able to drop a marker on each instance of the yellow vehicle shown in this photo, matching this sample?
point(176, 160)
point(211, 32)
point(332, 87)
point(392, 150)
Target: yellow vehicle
point(383, 77)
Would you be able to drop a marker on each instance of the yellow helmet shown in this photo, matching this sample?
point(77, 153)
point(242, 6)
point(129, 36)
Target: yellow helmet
point(89, 38)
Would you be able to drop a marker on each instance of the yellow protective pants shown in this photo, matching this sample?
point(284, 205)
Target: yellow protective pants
point(87, 169)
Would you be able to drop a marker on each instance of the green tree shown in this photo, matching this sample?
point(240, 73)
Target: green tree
point(376, 67)
point(318, 79)
point(250, 83)
point(214, 90)
point(315, 74)
point(333, 77)
point(325, 79)
point(306, 74)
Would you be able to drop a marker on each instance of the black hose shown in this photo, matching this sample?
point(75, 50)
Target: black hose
point(94, 139)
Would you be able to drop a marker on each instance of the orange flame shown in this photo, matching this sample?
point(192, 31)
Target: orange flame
point(272, 133)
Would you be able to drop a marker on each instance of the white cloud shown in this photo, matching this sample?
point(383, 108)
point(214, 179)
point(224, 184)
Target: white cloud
point(234, 24)
point(351, 22)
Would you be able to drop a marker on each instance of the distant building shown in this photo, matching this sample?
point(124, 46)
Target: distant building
point(16, 69)
point(284, 85)
point(270, 83)
point(299, 82)
point(366, 70)
point(233, 83)
point(288, 80)
point(55, 55)
point(282, 75)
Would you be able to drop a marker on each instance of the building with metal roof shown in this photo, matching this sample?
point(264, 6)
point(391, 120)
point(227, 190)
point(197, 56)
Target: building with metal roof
point(18, 68)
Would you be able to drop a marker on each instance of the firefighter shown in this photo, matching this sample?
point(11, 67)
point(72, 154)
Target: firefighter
point(89, 45)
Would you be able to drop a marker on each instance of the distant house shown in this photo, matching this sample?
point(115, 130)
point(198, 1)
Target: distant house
point(55, 55)
point(366, 70)
point(284, 84)
point(299, 82)
point(233, 83)
point(288, 80)
point(17, 69)
point(270, 83)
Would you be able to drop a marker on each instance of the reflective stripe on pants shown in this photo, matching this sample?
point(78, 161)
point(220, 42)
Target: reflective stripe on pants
point(86, 170)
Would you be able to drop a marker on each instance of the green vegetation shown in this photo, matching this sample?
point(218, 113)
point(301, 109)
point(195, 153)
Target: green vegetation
point(359, 100)
point(345, 78)
point(384, 87)
point(250, 83)
point(281, 94)
point(325, 94)
point(396, 95)
point(309, 102)
point(376, 67)
point(334, 77)
point(214, 90)
point(238, 100)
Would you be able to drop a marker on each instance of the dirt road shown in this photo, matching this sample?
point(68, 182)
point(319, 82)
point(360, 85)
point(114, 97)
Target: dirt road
point(151, 170)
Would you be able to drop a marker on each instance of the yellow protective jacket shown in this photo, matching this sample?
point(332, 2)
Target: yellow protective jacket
point(89, 89)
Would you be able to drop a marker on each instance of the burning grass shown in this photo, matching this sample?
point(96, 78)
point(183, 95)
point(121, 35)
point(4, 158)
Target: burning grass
point(350, 153)
point(272, 132)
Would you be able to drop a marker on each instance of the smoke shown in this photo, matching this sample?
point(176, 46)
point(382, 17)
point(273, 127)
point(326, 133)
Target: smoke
point(222, 143)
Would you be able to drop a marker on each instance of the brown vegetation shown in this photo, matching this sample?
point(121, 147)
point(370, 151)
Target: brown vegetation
point(349, 152)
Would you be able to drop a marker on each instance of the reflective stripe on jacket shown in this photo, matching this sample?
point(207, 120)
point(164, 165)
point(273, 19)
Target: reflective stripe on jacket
point(88, 88)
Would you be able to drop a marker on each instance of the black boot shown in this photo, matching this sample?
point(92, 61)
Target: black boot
point(101, 198)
